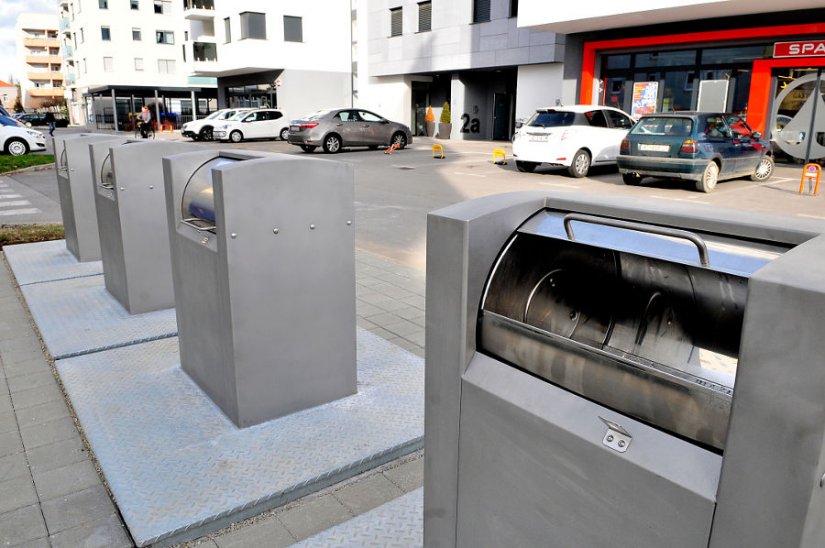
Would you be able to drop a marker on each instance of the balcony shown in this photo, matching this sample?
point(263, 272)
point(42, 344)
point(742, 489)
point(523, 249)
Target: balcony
point(64, 24)
point(41, 42)
point(68, 52)
point(70, 79)
point(198, 9)
point(44, 59)
point(46, 92)
point(44, 76)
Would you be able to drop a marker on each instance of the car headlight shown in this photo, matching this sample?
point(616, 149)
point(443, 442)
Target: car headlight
point(35, 133)
point(185, 126)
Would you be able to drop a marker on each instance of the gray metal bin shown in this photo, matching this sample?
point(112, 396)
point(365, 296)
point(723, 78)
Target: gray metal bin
point(75, 188)
point(264, 273)
point(605, 372)
point(130, 202)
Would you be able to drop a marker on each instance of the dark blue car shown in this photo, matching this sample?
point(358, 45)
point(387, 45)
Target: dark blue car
point(705, 147)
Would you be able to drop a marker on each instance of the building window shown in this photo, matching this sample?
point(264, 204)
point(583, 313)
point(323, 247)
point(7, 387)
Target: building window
point(108, 64)
point(166, 66)
point(105, 34)
point(481, 11)
point(162, 6)
point(136, 35)
point(253, 25)
point(103, 4)
point(227, 30)
point(293, 29)
point(165, 37)
point(139, 63)
point(134, 4)
point(513, 8)
point(395, 22)
point(425, 16)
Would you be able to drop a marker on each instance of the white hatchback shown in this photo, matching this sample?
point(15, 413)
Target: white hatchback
point(17, 139)
point(201, 130)
point(263, 123)
point(574, 137)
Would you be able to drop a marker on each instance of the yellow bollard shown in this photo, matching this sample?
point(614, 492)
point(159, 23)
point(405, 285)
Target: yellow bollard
point(440, 149)
point(498, 152)
point(811, 173)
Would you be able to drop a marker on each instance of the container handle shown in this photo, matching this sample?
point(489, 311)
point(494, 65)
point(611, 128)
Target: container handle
point(640, 227)
point(190, 222)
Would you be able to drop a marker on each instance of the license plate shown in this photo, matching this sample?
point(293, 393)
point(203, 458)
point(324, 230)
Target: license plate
point(538, 138)
point(654, 148)
point(293, 128)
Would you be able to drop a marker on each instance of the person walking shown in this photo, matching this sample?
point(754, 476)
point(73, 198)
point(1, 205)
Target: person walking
point(51, 121)
point(145, 121)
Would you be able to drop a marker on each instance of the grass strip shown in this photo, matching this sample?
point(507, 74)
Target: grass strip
point(12, 163)
point(23, 234)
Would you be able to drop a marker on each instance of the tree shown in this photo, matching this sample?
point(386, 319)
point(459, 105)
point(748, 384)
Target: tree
point(445, 113)
point(429, 118)
point(18, 106)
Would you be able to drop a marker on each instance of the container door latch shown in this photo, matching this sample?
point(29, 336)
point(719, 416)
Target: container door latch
point(616, 437)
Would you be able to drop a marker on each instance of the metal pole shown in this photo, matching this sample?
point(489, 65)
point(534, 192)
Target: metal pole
point(811, 134)
point(114, 109)
point(157, 112)
point(194, 106)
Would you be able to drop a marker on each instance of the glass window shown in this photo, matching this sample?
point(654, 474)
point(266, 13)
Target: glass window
point(551, 119)
point(293, 29)
point(108, 64)
point(717, 56)
point(425, 16)
point(105, 33)
point(481, 11)
point(103, 4)
point(738, 127)
point(368, 116)
point(253, 25)
point(138, 63)
point(618, 120)
point(166, 66)
point(666, 58)
point(165, 37)
point(513, 8)
point(136, 34)
point(227, 30)
point(663, 125)
point(617, 61)
point(396, 24)
point(134, 4)
point(344, 116)
point(714, 127)
point(596, 118)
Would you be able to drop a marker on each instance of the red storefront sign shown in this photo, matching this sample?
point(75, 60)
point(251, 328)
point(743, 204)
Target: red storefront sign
point(809, 48)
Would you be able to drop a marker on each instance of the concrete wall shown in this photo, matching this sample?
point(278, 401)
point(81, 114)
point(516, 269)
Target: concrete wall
point(303, 91)
point(538, 86)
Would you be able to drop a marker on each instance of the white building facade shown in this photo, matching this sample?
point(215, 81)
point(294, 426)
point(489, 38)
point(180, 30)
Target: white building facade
point(39, 60)
point(291, 55)
point(129, 53)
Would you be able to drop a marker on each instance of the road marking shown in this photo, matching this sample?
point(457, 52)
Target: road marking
point(9, 196)
point(26, 211)
point(469, 174)
point(15, 203)
point(565, 185)
point(810, 216)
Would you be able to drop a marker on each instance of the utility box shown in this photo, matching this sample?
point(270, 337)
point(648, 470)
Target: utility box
point(607, 372)
point(264, 273)
point(130, 202)
point(75, 188)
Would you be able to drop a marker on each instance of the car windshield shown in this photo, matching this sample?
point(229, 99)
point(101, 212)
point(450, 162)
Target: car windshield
point(240, 114)
point(663, 125)
point(551, 118)
point(215, 114)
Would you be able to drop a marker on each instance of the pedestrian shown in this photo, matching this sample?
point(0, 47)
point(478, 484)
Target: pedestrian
point(145, 121)
point(50, 120)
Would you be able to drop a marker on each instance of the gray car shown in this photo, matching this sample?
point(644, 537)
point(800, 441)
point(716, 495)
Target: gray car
point(334, 129)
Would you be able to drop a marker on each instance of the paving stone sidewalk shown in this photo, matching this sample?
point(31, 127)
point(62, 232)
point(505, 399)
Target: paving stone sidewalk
point(52, 495)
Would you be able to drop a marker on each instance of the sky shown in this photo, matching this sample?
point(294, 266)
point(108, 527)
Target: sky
point(9, 9)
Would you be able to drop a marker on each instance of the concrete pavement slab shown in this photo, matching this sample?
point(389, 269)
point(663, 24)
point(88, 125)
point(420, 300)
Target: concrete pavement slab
point(76, 509)
point(269, 532)
point(13, 466)
point(56, 455)
point(10, 443)
point(17, 493)
point(408, 476)
point(314, 515)
point(107, 532)
point(48, 432)
point(368, 493)
point(66, 480)
point(22, 525)
point(46, 262)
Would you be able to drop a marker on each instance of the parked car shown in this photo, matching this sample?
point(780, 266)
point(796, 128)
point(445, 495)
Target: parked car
point(17, 139)
point(264, 123)
point(201, 130)
point(705, 147)
point(575, 137)
point(39, 119)
point(334, 129)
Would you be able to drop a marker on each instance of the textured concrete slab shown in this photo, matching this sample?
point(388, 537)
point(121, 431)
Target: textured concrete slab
point(47, 262)
point(398, 523)
point(78, 316)
point(179, 468)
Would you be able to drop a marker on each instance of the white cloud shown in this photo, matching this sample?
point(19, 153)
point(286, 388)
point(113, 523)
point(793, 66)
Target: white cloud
point(9, 10)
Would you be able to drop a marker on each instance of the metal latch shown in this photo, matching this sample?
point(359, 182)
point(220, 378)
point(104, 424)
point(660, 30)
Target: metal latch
point(616, 437)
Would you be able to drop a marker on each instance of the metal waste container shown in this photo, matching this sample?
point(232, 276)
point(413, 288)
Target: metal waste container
point(264, 274)
point(75, 186)
point(605, 372)
point(130, 202)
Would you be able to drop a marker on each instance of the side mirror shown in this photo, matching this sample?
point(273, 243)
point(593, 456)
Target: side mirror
point(519, 123)
point(757, 134)
point(385, 121)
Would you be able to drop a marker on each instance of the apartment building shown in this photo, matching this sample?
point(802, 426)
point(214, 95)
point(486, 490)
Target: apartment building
point(751, 57)
point(293, 55)
point(40, 64)
point(470, 53)
point(123, 54)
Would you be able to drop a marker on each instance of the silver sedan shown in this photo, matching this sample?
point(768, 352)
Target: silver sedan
point(335, 129)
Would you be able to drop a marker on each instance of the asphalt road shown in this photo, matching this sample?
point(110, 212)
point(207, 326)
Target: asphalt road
point(394, 192)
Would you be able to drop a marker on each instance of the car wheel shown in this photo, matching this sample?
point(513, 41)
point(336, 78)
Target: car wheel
point(236, 136)
point(764, 169)
point(332, 144)
point(632, 179)
point(17, 147)
point(285, 134)
point(709, 178)
point(526, 167)
point(206, 134)
point(308, 148)
point(580, 165)
point(398, 138)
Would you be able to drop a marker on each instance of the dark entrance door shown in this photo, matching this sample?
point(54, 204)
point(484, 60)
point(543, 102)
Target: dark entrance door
point(420, 102)
point(502, 116)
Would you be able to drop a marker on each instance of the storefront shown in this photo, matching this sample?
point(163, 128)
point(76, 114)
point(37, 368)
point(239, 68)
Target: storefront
point(771, 74)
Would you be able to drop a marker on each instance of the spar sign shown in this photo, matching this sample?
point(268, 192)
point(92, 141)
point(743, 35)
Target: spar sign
point(808, 48)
